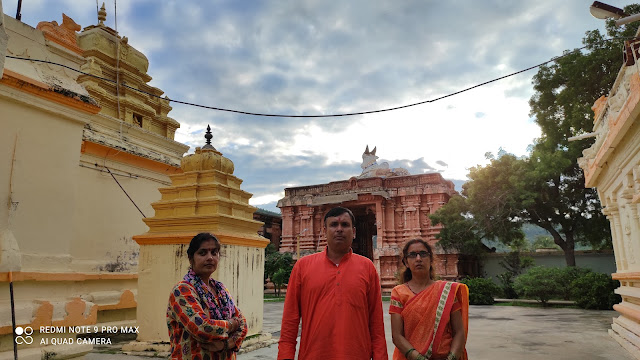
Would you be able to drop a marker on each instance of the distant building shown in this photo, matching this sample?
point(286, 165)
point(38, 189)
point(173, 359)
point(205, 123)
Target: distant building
point(272, 228)
point(390, 206)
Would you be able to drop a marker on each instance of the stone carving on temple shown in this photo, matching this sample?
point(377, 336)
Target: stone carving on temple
point(389, 209)
point(371, 168)
point(64, 34)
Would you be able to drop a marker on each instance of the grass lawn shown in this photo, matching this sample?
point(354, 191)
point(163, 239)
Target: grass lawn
point(273, 298)
point(535, 305)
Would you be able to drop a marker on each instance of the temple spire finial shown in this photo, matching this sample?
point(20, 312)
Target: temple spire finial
point(102, 15)
point(208, 136)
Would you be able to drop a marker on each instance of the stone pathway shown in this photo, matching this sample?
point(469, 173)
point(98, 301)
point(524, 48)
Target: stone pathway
point(495, 332)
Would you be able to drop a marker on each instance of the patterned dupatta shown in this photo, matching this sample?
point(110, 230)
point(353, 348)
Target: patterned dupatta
point(427, 314)
point(221, 307)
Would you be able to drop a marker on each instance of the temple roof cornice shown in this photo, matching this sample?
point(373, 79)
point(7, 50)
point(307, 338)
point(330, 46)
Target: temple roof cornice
point(349, 190)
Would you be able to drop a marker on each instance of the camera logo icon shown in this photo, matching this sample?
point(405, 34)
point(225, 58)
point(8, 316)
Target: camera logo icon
point(23, 335)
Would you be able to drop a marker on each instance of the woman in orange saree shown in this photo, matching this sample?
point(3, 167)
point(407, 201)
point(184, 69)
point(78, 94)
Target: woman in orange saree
point(429, 318)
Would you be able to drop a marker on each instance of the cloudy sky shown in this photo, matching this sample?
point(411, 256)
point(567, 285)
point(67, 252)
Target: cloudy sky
point(310, 57)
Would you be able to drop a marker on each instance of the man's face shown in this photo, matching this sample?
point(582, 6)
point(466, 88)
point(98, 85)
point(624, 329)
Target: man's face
point(340, 233)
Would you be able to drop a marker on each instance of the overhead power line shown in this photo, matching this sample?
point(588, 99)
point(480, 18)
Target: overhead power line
point(326, 115)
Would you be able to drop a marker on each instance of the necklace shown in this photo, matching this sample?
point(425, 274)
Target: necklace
point(214, 294)
point(417, 292)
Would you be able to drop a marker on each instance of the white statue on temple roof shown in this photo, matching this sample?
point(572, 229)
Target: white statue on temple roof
point(371, 168)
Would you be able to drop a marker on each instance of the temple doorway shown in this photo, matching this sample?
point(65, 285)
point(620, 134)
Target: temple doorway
point(366, 231)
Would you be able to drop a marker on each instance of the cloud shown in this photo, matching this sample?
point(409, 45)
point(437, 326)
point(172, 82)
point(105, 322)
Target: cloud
point(418, 166)
point(307, 57)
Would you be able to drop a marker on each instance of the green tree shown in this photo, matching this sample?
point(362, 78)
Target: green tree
point(280, 278)
point(543, 242)
point(564, 93)
point(514, 264)
point(539, 283)
point(461, 232)
point(595, 291)
point(488, 208)
point(277, 267)
point(546, 188)
point(494, 195)
point(566, 276)
point(481, 290)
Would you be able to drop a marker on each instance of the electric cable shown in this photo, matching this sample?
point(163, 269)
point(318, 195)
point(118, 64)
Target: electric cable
point(326, 115)
point(125, 192)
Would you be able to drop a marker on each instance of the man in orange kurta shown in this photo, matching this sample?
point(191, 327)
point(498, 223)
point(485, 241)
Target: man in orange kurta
point(337, 295)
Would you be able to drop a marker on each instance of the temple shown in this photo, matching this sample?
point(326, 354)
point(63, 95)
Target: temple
point(390, 205)
point(84, 162)
point(612, 165)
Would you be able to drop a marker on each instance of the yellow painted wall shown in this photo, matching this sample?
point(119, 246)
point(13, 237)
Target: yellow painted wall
point(109, 216)
point(241, 269)
point(62, 222)
point(43, 194)
point(67, 235)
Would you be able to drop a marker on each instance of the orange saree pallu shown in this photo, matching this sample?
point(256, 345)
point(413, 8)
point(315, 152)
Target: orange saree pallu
point(426, 316)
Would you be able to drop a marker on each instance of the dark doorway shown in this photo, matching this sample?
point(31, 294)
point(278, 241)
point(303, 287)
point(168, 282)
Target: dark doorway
point(365, 231)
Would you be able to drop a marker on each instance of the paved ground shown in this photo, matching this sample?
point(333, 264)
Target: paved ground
point(511, 332)
point(495, 332)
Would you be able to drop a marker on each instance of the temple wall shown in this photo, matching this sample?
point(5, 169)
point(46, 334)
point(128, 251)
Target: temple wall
point(3, 41)
point(612, 165)
point(241, 270)
point(47, 143)
point(598, 261)
point(109, 215)
point(66, 237)
point(401, 206)
point(58, 238)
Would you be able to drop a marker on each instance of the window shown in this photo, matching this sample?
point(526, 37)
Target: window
point(137, 119)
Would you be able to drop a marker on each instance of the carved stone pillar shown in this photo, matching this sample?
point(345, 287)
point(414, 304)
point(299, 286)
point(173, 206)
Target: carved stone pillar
point(306, 228)
point(400, 224)
point(318, 235)
point(390, 223)
point(286, 244)
point(380, 216)
point(616, 233)
point(389, 267)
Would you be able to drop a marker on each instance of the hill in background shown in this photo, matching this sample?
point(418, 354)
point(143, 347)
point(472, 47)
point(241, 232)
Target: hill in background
point(533, 235)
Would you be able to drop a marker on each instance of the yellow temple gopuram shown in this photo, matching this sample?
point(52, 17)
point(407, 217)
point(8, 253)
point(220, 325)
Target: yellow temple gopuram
point(86, 145)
